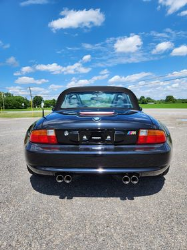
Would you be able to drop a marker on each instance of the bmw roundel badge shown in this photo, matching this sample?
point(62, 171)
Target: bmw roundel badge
point(96, 119)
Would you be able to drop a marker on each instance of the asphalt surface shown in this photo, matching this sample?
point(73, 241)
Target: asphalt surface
point(93, 212)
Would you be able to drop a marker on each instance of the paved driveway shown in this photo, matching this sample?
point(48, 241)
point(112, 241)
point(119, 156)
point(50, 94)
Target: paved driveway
point(93, 212)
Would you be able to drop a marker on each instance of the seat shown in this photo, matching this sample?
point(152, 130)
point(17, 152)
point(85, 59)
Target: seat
point(73, 101)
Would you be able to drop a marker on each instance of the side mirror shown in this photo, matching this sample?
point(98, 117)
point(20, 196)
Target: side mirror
point(141, 109)
point(53, 108)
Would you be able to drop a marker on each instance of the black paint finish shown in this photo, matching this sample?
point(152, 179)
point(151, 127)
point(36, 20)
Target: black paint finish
point(91, 145)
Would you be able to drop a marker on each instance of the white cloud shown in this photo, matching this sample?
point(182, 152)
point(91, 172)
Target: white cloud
point(28, 80)
point(55, 87)
point(57, 69)
point(97, 78)
point(86, 58)
point(162, 47)
point(183, 13)
point(78, 19)
point(129, 78)
point(29, 2)
point(175, 85)
point(181, 73)
point(75, 68)
point(11, 61)
point(45, 93)
point(128, 44)
point(173, 5)
point(158, 87)
point(104, 72)
point(88, 46)
point(104, 55)
point(4, 46)
point(77, 83)
point(17, 90)
point(94, 47)
point(53, 68)
point(38, 90)
point(180, 51)
point(24, 70)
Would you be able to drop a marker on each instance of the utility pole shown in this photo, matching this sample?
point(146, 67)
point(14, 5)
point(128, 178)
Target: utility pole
point(3, 100)
point(31, 100)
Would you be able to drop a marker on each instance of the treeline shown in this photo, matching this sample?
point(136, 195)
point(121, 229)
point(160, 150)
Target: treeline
point(9, 101)
point(37, 101)
point(168, 99)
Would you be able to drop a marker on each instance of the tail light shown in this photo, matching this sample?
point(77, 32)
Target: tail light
point(43, 136)
point(151, 136)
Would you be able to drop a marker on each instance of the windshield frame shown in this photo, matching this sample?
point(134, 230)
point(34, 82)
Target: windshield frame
point(105, 89)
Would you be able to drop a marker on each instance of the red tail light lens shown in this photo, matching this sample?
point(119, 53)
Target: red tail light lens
point(43, 136)
point(151, 136)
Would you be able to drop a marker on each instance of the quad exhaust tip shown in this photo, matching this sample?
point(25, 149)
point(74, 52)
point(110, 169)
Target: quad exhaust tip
point(126, 179)
point(134, 179)
point(59, 178)
point(68, 178)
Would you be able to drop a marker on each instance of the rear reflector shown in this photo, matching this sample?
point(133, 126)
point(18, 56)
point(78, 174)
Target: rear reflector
point(43, 136)
point(151, 136)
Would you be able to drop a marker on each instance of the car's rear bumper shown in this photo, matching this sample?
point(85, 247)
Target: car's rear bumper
point(116, 171)
point(107, 159)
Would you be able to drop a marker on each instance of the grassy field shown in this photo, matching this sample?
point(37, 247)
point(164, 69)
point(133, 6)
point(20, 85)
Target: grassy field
point(164, 106)
point(21, 114)
point(28, 109)
point(18, 113)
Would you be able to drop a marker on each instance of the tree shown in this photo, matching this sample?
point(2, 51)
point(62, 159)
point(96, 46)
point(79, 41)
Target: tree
point(37, 100)
point(49, 103)
point(142, 100)
point(1, 99)
point(8, 94)
point(149, 99)
point(53, 102)
point(170, 98)
point(16, 102)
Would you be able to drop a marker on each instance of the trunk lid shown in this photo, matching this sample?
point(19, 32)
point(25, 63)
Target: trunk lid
point(94, 127)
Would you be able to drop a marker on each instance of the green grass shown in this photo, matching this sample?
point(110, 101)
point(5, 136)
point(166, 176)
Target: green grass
point(22, 114)
point(28, 109)
point(165, 106)
point(11, 114)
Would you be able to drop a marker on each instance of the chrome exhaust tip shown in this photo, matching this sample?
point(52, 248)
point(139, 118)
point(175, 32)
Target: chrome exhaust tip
point(126, 179)
point(59, 178)
point(68, 178)
point(134, 179)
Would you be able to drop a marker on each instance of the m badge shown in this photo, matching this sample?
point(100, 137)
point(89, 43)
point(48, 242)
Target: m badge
point(131, 133)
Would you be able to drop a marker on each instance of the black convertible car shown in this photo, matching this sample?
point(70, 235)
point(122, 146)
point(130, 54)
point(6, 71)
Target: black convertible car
point(98, 130)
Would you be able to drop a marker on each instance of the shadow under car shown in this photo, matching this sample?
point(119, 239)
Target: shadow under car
point(97, 186)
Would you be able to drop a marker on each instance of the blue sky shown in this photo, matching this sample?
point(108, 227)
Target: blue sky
point(50, 45)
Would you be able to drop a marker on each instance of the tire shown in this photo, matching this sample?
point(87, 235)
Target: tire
point(165, 172)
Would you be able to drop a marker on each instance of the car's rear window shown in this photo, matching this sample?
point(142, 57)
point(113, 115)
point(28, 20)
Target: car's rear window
point(96, 100)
